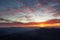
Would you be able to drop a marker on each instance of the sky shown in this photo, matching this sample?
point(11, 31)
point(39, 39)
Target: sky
point(29, 10)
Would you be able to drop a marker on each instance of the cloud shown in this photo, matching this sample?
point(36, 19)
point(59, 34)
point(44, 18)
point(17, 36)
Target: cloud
point(29, 9)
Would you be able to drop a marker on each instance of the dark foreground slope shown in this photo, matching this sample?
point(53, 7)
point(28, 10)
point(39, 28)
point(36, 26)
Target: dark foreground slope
point(29, 34)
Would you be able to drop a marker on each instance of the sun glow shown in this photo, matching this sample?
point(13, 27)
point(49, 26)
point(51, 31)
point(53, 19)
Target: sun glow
point(45, 25)
point(49, 25)
point(42, 25)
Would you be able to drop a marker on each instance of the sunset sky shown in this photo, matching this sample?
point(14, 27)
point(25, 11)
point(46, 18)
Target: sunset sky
point(30, 10)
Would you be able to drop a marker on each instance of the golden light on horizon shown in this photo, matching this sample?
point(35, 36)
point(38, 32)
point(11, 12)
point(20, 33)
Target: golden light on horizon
point(42, 25)
point(48, 25)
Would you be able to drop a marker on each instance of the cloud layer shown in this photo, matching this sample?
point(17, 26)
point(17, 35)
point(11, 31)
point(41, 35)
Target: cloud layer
point(29, 10)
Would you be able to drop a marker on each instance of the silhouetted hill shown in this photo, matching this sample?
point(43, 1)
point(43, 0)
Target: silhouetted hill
point(30, 34)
